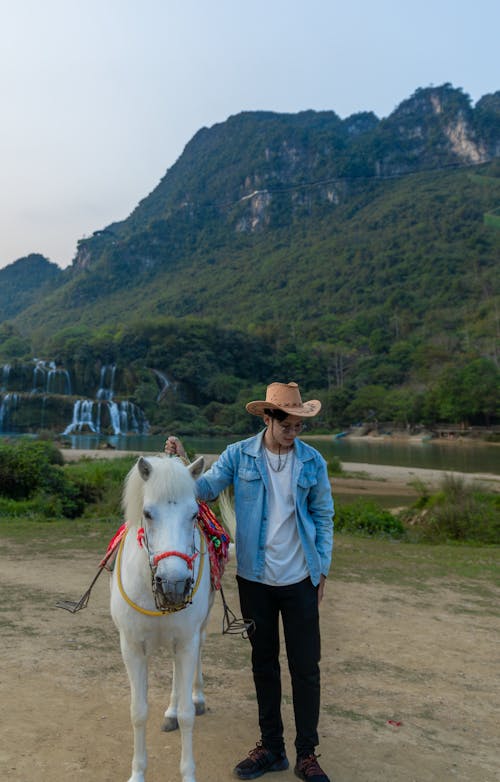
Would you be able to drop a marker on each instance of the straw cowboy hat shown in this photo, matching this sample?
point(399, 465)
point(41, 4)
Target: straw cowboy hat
point(285, 397)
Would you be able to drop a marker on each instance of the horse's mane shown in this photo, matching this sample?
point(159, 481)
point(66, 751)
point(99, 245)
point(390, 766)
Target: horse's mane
point(169, 479)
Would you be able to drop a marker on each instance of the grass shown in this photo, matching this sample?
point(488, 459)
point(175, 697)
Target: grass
point(61, 535)
point(355, 558)
point(364, 665)
point(353, 716)
point(418, 565)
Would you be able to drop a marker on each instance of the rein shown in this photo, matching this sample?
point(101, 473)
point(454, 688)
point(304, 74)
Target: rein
point(173, 609)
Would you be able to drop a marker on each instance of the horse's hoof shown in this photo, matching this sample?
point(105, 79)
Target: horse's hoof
point(199, 708)
point(169, 723)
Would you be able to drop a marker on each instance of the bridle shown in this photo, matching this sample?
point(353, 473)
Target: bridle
point(189, 560)
point(162, 602)
point(162, 609)
point(154, 559)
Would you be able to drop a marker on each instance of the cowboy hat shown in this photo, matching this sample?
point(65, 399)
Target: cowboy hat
point(285, 397)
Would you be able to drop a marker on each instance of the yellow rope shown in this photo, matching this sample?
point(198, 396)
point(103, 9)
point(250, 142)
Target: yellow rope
point(146, 611)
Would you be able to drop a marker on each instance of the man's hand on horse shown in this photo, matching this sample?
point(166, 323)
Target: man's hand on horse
point(174, 447)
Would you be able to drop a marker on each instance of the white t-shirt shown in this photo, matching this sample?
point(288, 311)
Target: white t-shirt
point(285, 562)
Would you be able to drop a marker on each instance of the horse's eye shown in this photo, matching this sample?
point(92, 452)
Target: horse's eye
point(148, 515)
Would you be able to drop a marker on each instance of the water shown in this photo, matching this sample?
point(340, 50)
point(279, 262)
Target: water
point(149, 443)
point(459, 457)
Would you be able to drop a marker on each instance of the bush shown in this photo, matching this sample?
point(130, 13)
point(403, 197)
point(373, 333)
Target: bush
point(32, 474)
point(20, 508)
point(458, 512)
point(334, 466)
point(27, 466)
point(100, 483)
point(367, 518)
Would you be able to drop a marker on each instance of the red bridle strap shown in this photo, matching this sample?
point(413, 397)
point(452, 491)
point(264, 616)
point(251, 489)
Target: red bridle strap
point(189, 560)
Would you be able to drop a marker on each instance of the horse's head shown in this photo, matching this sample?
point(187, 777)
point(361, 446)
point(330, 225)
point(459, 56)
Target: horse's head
point(169, 511)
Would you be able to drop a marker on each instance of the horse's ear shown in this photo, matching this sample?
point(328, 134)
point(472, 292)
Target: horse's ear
point(196, 468)
point(144, 468)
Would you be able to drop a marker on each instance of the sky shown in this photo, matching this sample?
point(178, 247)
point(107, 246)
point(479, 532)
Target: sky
point(98, 98)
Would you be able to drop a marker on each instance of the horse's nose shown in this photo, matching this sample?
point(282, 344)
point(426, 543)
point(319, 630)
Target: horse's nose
point(174, 593)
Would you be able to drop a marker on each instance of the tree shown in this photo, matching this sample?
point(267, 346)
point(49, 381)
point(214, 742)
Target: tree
point(470, 393)
point(368, 404)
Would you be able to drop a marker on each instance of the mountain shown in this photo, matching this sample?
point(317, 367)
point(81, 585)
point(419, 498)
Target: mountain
point(25, 281)
point(350, 252)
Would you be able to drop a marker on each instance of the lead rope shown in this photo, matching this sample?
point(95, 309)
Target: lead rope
point(233, 626)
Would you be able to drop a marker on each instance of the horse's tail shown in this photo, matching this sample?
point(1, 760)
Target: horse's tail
point(228, 515)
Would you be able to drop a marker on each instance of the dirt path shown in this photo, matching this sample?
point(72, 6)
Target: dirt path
point(409, 686)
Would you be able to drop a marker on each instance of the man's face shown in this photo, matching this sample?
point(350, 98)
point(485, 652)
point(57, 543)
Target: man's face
point(284, 432)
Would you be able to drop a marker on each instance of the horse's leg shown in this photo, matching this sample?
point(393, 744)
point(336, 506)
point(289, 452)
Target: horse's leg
point(170, 717)
point(170, 721)
point(198, 694)
point(186, 660)
point(136, 664)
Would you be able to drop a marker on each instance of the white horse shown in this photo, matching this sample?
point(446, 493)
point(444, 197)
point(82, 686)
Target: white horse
point(161, 595)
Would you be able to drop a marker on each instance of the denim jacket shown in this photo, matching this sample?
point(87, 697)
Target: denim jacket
point(242, 464)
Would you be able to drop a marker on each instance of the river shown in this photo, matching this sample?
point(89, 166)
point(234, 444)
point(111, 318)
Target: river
point(460, 456)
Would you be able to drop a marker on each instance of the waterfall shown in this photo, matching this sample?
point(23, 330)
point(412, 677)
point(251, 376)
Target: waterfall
point(114, 414)
point(107, 382)
point(124, 417)
point(58, 381)
point(128, 419)
point(50, 379)
point(7, 405)
point(132, 419)
point(38, 370)
point(82, 417)
point(163, 382)
point(39, 394)
point(5, 376)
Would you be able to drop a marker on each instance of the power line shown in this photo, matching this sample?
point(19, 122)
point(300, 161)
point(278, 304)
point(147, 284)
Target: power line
point(338, 180)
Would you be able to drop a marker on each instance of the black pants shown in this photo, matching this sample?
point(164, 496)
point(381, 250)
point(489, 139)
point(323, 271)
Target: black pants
point(298, 606)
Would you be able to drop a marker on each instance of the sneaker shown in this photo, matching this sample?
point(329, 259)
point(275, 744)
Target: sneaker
point(259, 761)
point(308, 769)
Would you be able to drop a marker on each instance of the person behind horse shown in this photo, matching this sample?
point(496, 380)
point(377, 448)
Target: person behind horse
point(284, 539)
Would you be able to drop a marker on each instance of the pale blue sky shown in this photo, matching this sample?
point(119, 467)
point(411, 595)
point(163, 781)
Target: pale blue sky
point(99, 97)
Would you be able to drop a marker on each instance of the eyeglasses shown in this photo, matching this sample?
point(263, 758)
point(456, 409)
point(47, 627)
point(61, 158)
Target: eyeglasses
point(296, 428)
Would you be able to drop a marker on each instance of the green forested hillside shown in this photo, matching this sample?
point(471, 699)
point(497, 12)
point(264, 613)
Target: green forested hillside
point(25, 281)
point(364, 264)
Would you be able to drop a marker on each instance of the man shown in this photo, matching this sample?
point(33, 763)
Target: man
point(284, 538)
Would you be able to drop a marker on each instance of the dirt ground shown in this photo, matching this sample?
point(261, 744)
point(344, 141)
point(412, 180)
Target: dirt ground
point(410, 691)
point(409, 674)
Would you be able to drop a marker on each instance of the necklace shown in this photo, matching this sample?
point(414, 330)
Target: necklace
point(281, 464)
